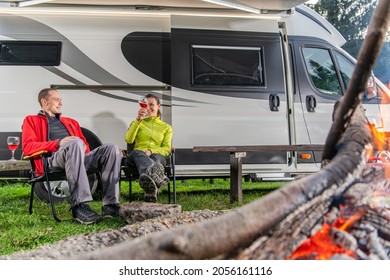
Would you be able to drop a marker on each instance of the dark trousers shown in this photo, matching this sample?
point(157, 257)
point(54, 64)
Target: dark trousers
point(142, 161)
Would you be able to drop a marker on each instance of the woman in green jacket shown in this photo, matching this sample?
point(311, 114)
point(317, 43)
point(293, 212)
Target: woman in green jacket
point(152, 139)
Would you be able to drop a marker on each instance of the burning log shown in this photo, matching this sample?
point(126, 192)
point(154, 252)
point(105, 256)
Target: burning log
point(332, 208)
point(352, 226)
point(327, 217)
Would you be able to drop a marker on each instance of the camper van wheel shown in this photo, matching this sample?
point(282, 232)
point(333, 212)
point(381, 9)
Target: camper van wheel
point(60, 189)
point(253, 177)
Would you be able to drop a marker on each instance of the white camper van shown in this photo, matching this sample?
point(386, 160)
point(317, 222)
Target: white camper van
point(224, 77)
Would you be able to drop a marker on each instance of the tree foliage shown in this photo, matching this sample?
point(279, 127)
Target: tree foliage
point(351, 18)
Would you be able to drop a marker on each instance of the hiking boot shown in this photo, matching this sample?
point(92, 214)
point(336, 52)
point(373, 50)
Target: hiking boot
point(83, 214)
point(157, 172)
point(110, 210)
point(149, 187)
point(163, 182)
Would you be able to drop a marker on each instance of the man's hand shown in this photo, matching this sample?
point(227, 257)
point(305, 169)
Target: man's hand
point(69, 138)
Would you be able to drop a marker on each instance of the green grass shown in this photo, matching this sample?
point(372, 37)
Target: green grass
point(21, 231)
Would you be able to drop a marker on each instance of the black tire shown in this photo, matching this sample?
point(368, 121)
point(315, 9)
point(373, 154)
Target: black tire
point(60, 189)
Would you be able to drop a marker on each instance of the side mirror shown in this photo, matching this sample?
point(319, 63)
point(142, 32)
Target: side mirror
point(371, 90)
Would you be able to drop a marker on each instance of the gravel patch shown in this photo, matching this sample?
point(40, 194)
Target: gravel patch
point(82, 244)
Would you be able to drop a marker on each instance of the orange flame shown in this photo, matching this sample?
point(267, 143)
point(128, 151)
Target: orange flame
point(380, 144)
point(321, 245)
point(378, 138)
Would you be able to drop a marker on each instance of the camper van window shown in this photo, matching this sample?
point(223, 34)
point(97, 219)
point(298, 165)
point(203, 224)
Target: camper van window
point(322, 71)
point(346, 68)
point(30, 53)
point(227, 66)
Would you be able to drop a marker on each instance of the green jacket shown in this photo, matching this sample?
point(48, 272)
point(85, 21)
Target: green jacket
point(151, 133)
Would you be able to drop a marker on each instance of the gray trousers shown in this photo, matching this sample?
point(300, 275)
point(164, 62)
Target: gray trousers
point(105, 159)
point(142, 161)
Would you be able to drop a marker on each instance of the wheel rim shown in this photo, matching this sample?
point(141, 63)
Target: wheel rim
point(59, 189)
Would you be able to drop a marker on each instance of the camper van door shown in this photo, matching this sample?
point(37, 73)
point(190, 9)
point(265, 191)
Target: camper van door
point(228, 87)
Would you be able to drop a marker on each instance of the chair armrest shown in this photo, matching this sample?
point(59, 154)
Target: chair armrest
point(40, 153)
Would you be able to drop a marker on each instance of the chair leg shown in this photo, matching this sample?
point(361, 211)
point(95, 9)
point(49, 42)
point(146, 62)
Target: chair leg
point(31, 198)
point(53, 210)
point(174, 176)
point(169, 192)
point(130, 189)
point(174, 189)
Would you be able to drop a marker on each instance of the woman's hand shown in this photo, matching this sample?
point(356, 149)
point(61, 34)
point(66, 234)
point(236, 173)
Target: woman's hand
point(142, 113)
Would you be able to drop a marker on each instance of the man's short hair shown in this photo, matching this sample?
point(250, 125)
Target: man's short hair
point(44, 94)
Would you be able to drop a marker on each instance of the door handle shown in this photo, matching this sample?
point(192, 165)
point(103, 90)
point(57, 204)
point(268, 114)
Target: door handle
point(311, 103)
point(274, 102)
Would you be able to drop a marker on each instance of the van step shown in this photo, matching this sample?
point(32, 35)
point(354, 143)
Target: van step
point(269, 177)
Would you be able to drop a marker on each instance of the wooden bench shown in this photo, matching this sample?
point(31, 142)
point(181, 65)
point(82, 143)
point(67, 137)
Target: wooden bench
point(237, 153)
point(14, 165)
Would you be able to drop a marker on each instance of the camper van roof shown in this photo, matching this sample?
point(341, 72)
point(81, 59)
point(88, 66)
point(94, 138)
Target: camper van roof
point(249, 6)
point(293, 12)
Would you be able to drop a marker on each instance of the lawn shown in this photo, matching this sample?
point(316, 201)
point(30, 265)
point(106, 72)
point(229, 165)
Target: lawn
point(21, 231)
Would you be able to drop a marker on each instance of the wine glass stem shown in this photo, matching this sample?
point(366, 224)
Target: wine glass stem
point(13, 152)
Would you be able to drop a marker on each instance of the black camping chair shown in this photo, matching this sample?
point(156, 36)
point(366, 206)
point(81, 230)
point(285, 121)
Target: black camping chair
point(52, 175)
point(131, 172)
point(47, 176)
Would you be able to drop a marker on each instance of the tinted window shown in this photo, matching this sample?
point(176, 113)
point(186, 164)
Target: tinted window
point(322, 71)
point(227, 66)
point(30, 53)
point(346, 68)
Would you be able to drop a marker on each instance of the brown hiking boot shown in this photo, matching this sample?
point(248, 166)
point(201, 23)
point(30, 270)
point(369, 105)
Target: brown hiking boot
point(157, 172)
point(149, 187)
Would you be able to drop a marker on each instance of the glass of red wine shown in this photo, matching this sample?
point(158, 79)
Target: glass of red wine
point(143, 103)
point(13, 143)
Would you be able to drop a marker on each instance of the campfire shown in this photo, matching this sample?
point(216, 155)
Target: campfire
point(357, 226)
point(363, 235)
point(350, 222)
point(331, 240)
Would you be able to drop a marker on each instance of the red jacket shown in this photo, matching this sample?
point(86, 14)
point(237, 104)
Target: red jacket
point(35, 136)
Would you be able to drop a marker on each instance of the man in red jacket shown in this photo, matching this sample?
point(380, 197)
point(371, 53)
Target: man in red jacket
point(62, 137)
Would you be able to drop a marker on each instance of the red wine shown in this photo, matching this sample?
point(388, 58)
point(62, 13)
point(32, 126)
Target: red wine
point(13, 147)
point(143, 105)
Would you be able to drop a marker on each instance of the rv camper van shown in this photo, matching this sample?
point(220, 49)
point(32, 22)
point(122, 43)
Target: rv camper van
point(224, 78)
